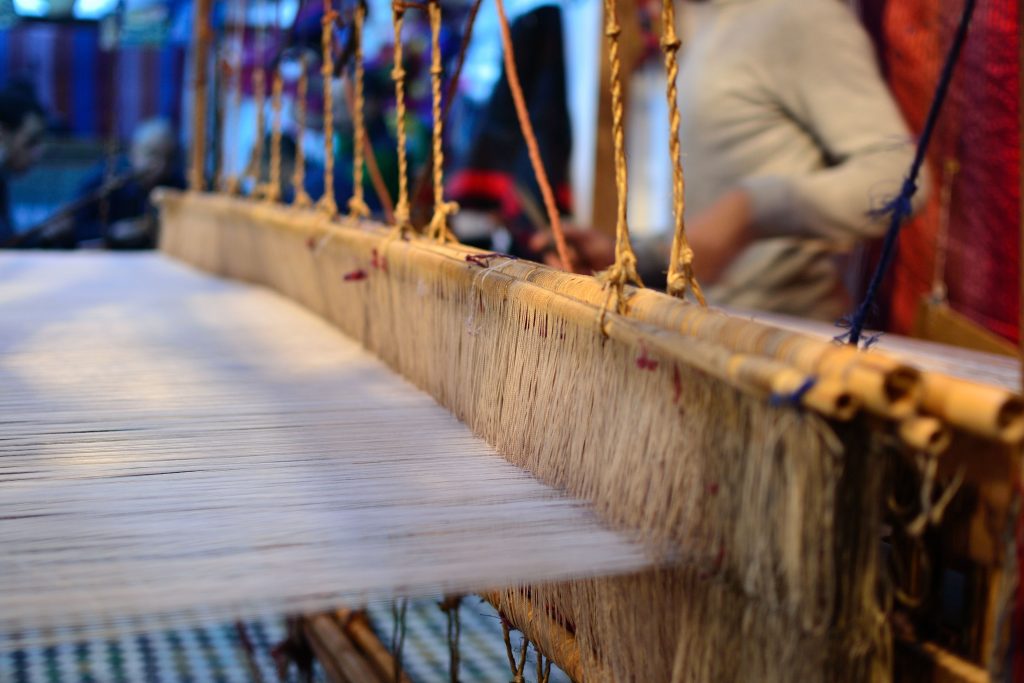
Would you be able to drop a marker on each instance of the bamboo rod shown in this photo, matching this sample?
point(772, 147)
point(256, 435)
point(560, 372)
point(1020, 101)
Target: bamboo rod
point(766, 357)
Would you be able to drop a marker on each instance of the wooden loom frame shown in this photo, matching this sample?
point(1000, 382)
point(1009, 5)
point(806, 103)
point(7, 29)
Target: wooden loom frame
point(313, 255)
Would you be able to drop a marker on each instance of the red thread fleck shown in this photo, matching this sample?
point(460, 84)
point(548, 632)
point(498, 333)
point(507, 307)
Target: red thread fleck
point(311, 243)
point(677, 385)
point(645, 362)
point(378, 261)
point(713, 488)
point(355, 275)
point(720, 558)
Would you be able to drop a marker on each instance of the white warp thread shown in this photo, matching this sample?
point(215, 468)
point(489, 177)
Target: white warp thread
point(172, 445)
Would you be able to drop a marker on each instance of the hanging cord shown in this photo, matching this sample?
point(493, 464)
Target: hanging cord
point(301, 198)
point(232, 183)
point(380, 188)
point(939, 293)
point(450, 606)
point(900, 208)
point(357, 207)
point(327, 204)
point(425, 175)
point(402, 222)
point(624, 269)
point(203, 34)
point(438, 228)
point(398, 611)
point(543, 667)
point(517, 669)
point(273, 191)
point(259, 86)
point(532, 147)
point(680, 267)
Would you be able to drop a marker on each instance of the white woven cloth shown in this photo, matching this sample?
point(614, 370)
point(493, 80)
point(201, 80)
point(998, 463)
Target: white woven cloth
point(177, 445)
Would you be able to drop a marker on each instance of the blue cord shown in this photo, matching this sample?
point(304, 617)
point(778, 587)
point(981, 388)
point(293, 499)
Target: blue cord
point(900, 207)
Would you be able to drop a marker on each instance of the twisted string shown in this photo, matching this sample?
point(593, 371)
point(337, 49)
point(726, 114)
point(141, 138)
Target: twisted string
point(450, 606)
point(273, 191)
point(327, 204)
point(540, 174)
point(901, 207)
point(438, 228)
point(203, 39)
point(680, 267)
point(520, 668)
point(402, 220)
point(425, 174)
point(625, 268)
point(357, 207)
point(301, 197)
point(259, 85)
point(398, 630)
point(232, 183)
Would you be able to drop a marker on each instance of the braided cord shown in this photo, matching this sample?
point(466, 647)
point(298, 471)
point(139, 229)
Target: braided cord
point(327, 204)
point(402, 221)
point(625, 267)
point(680, 267)
point(357, 207)
point(301, 197)
point(438, 228)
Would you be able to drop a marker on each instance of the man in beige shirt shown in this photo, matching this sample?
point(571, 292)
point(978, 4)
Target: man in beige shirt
point(790, 140)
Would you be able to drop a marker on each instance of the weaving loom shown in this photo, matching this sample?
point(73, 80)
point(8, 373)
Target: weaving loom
point(688, 495)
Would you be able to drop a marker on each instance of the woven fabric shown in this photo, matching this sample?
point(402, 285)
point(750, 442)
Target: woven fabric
point(215, 654)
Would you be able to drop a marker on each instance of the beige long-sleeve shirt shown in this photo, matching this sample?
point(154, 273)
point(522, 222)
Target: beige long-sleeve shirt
point(784, 99)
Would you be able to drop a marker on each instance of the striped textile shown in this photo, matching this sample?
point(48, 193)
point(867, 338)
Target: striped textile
point(215, 654)
point(82, 86)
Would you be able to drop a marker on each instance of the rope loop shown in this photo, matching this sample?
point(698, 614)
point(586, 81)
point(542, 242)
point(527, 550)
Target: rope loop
point(624, 269)
point(681, 278)
point(402, 213)
point(357, 207)
point(327, 203)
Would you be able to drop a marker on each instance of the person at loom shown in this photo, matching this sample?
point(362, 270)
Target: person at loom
point(125, 218)
point(22, 130)
point(790, 142)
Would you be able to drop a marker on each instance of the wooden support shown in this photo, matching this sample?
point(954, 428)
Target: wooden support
point(348, 649)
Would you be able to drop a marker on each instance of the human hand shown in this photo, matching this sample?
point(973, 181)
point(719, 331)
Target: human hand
point(590, 250)
point(719, 234)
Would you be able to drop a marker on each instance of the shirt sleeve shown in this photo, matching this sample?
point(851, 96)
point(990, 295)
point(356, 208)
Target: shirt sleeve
point(826, 78)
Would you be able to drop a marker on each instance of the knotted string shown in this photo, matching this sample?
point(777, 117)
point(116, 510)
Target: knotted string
point(301, 197)
point(273, 189)
point(901, 207)
point(624, 269)
point(259, 86)
point(232, 183)
point(402, 220)
point(680, 267)
point(357, 207)
point(438, 228)
point(327, 204)
point(520, 668)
